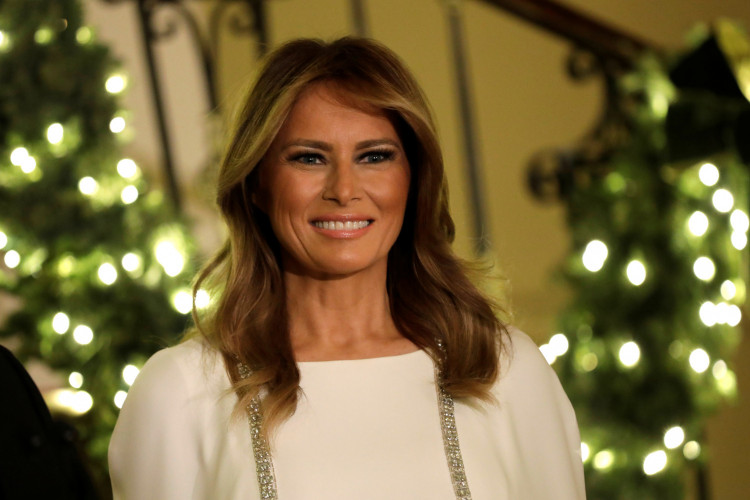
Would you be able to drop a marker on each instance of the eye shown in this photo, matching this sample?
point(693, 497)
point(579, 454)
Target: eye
point(377, 156)
point(307, 158)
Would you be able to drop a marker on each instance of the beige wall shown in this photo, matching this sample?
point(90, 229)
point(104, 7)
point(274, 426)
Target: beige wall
point(523, 103)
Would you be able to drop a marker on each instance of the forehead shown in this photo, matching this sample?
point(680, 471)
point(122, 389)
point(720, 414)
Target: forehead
point(326, 108)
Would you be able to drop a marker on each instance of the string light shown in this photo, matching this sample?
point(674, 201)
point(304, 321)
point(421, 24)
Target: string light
point(674, 437)
point(84, 35)
point(698, 223)
point(728, 289)
point(739, 221)
point(75, 379)
point(107, 273)
point(707, 313)
point(3, 239)
point(636, 272)
point(127, 168)
point(131, 262)
point(182, 301)
point(4, 41)
point(60, 323)
point(169, 257)
point(129, 374)
point(691, 450)
point(739, 240)
point(28, 165)
point(719, 369)
point(202, 299)
point(704, 268)
point(629, 354)
point(548, 354)
point(43, 36)
point(115, 84)
point(83, 334)
point(559, 343)
point(654, 462)
point(594, 255)
point(734, 315)
point(699, 360)
point(88, 186)
point(723, 200)
point(117, 124)
point(708, 174)
point(604, 459)
point(55, 133)
point(76, 402)
point(585, 452)
point(120, 397)
point(589, 362)
point(12, 259)
point(129, 194)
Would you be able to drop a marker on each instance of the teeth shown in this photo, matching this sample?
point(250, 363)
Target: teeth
point(349, 225)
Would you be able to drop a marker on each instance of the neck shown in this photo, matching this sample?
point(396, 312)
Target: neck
point(342, 317)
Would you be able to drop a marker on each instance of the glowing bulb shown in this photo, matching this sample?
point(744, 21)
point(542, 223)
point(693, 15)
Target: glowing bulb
point(698, 223)
point(674, 437)
point(559, 344)
point(704, 268)
point(589, 361)
point(719, 369)
point(88, 186)
point(131, 262)
point(707, 313)
point(60, 323)
point(28, 165)
point(548, 353)
point(723, 200)
point(594, 255)
point(107, 273)
point(202, 299)
point(82, 402)
point(129, 194)
point(739, 221)
point(127, 168)
point(654, 462)
point(12, 259)
point(43, 36)
point(83, 334)
point(115, 84)
point(129, 374)
point(708, 174)
point(734, 315)
point(169, 257)
point(629, 354)
point(75, 380)
point(739, 240)
point(3, 239)
point(722, 313)
point(18, 156)
point(55, 133)
point(84, 35)
point(699, 360)
point(728, 289)
point(585, 452)
point(604, 460)
point(691, 450)
point(636, 272)
point(119, 398)
point(183, 301)
point(117, 124)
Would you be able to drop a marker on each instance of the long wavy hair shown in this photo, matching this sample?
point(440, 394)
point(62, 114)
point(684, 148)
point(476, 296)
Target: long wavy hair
point(433, 301)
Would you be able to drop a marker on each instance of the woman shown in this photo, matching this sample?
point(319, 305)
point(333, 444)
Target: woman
point(344, 329)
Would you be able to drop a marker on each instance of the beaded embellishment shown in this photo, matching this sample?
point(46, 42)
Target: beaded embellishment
point(446, 410)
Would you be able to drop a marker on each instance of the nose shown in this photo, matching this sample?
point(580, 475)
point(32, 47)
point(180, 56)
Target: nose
point(342, 184)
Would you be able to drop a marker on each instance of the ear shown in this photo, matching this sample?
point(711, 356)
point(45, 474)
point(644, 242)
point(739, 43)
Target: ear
point(256, 186)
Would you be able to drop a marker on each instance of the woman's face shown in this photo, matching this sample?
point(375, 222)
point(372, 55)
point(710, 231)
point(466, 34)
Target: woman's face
point(334, 184)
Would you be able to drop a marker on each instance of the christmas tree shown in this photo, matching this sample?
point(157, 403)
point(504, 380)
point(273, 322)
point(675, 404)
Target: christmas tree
point(658, 271)
point(96, 264)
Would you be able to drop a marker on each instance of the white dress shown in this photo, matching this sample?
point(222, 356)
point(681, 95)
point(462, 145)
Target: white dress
point(365, 429)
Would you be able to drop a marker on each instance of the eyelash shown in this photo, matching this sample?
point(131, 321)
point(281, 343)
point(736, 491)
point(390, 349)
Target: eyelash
point(384, 154)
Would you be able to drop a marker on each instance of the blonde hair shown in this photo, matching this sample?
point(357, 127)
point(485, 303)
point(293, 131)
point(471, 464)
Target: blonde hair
point(431, 297)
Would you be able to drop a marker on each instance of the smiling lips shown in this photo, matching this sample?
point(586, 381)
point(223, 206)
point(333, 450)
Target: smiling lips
point(349, 225)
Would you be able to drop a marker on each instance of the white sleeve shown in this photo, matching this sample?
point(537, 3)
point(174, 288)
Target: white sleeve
point(153, 453)
point(550, 441)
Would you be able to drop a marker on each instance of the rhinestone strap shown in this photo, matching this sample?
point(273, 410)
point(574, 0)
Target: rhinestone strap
point(264, 462)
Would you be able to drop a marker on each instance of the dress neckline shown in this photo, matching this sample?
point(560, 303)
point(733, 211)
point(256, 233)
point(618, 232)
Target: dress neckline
point(363, 361)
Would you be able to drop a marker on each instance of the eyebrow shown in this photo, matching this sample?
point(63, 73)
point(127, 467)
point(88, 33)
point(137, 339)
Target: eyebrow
point(324, 146)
